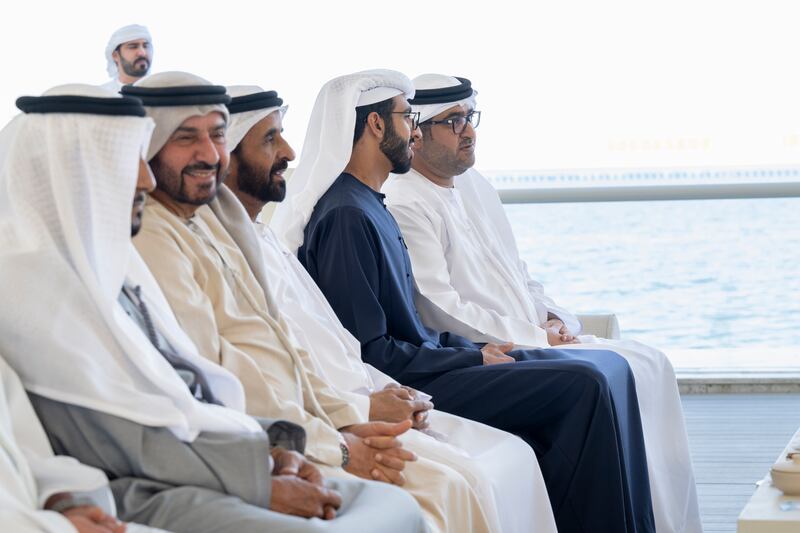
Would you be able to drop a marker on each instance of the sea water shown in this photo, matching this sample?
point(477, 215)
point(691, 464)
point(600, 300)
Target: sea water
point(678, 274)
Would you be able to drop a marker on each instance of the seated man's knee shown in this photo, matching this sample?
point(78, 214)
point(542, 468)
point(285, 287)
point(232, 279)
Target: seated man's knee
point(603, 365)
point(391, 505)
point(362, 493)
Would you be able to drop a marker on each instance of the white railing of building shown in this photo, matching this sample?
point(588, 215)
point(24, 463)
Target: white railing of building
point(639, 193)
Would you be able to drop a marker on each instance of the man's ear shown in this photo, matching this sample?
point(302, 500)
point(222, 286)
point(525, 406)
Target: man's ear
point(115, 56)
point(375, 124)
point(418, 139)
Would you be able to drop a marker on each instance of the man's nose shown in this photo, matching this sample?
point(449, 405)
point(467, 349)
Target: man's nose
point(207, 152)
point(469, 130)
point(288, 153)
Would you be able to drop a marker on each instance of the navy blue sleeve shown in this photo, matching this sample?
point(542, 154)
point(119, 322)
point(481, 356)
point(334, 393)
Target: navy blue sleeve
point(456, 341)
point(343, 255)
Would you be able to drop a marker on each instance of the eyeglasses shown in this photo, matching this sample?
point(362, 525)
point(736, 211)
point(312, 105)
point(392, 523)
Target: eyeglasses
point(459, 124)
point(411, 116)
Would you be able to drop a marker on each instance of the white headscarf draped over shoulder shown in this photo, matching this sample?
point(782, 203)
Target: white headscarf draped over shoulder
point(170, 98)
point(242, 122)
point(67, 183)
point(329, 144)
point(132, 32)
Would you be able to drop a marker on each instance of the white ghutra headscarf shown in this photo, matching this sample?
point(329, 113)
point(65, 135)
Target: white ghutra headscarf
point(67, 183)
point(329, 144)
point(425, 82)
point(172, 97)
point(242, 122)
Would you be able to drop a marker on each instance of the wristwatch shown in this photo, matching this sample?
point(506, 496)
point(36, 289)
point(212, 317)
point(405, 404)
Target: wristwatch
point(345, 453)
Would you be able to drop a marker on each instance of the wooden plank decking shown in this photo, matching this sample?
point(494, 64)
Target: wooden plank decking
point(734, 439)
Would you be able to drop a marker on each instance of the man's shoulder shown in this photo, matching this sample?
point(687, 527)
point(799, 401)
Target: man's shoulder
point(342, 202)
point(206, 216)
point(411, 191)
point(341, 216)
point(397, 184)
point(342, 222)
point(157, 219)
point(342, 192)
point(413, 203)
point(217, 236)
point(160, 232)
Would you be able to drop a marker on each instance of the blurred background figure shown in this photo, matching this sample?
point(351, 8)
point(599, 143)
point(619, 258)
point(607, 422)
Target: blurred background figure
point(129, 54)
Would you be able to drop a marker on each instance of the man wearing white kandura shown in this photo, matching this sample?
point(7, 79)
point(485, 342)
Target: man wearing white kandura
point(112, 377)
point(500, 466)
point(129, 55)
point(579, 413)
point(235, 323)
point(472, 281)
point(42, 492)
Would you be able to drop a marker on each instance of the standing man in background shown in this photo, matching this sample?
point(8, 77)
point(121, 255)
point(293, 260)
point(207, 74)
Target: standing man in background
point(129, 54)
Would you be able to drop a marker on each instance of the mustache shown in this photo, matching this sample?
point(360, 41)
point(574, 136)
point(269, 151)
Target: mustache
point(139, 197)
point(199, 166)
point(283, 164)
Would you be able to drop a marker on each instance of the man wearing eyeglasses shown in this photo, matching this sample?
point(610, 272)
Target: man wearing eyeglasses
point(441, 231)
point(471, 281)
point(578, 412)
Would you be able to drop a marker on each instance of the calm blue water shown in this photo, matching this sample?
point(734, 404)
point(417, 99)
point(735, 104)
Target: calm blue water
point(687, 274)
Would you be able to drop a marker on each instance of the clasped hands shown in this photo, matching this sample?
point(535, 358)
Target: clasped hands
point(396, 403)
point(375, 453)
point(557, 335)
point(298, 488)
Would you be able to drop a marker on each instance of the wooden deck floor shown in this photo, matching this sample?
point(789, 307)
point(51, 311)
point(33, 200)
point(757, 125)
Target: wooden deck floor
point(734, 439)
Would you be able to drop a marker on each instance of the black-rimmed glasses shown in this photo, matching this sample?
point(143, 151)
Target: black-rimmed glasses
point(412, 116)
point(459, 124)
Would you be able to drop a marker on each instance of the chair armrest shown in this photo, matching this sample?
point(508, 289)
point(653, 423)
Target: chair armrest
point(605, 326)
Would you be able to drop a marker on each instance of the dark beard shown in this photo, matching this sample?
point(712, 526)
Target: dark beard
point(136, 213)
point(445, 160)
point(173, 184)
point(132, 70)
point(395, 148)
point(250, 180)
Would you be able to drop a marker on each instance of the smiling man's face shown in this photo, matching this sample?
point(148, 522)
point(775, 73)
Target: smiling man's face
point(192, 164)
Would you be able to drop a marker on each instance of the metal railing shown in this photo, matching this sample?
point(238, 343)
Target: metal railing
point(639, 193)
